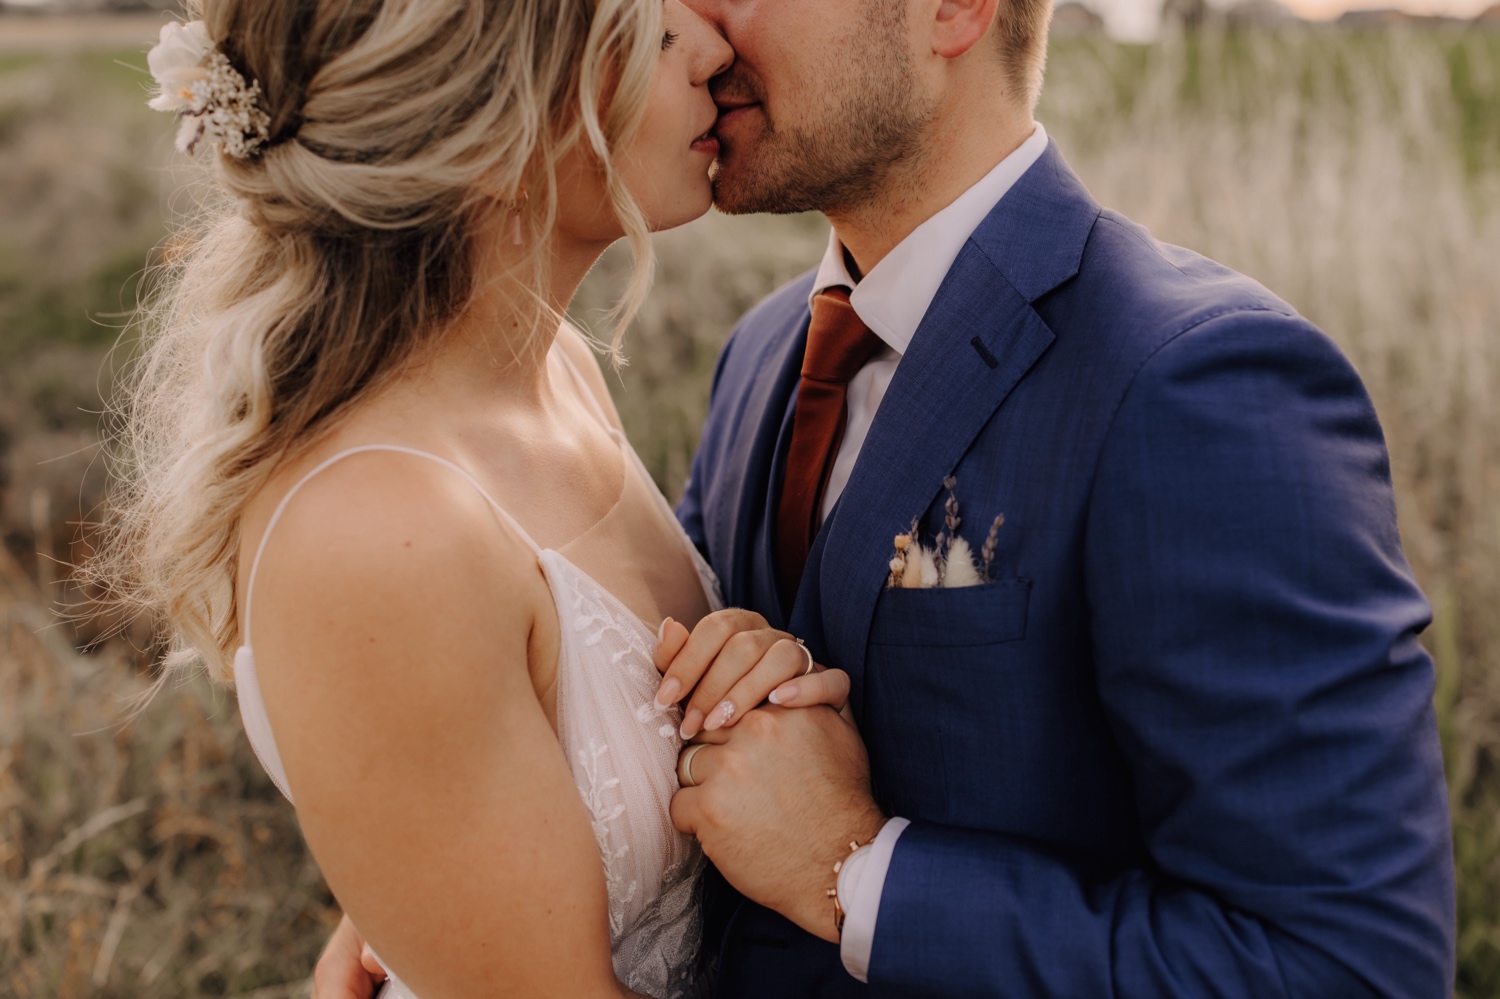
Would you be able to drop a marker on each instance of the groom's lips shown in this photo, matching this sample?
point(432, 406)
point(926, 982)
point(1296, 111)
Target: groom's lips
point(731, 111)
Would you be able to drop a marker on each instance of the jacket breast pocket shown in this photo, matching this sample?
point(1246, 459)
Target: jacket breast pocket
point(966, 616)
point(936, 663)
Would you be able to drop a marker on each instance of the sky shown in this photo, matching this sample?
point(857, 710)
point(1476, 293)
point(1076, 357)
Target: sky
point(1137, 19)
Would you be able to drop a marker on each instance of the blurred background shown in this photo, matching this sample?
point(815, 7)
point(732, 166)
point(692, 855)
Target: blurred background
point(1348, 159)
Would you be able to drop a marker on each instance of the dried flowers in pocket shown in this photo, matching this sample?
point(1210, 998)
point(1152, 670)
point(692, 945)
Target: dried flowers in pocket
point(950, 561)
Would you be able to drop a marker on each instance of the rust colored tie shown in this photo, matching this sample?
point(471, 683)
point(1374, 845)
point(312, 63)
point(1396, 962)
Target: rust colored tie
point(838, 345)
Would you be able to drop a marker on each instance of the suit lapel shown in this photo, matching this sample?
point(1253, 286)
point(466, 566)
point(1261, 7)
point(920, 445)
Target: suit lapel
point(945, 390)
point(744, 529)
point(977, 341)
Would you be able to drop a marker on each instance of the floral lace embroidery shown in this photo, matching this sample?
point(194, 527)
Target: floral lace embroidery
point(654, 906)
point(595, 788)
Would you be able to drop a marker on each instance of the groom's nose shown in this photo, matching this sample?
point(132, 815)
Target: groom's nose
point(711, 11)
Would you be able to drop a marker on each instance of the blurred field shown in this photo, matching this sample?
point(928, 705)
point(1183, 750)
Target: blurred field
point(1358, 175)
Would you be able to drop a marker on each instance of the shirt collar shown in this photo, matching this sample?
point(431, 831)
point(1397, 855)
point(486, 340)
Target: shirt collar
point(895, 295)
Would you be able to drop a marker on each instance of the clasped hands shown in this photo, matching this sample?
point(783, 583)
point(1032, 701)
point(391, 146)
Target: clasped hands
point(779, 790)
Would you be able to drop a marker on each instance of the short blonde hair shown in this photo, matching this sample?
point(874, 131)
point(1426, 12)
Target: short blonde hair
point(343, 248)
point(1023, 46)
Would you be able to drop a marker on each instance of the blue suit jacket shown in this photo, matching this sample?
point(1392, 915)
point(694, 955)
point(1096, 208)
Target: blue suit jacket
point(1182, 743)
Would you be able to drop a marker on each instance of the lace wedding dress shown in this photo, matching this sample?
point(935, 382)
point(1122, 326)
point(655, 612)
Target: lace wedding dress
point(621, 748)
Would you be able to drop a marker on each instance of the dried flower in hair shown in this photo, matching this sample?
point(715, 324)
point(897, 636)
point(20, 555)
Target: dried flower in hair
point(179, 62)
point(214, 103)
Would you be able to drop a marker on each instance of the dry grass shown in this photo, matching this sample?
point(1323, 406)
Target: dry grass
point(149, 860)
point(1358, 176)
point(79, 32)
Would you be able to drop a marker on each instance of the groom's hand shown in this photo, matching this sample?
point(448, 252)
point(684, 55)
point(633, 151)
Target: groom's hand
point(777, 801)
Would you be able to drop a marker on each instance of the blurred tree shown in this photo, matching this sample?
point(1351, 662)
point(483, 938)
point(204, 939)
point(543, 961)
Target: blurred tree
point(1186, 14)
point(1073, 18)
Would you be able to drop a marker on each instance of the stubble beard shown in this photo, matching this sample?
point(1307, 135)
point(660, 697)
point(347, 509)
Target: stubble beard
point(841, 159)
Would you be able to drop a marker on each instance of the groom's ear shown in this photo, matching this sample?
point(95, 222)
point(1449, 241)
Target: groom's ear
point(959, 25)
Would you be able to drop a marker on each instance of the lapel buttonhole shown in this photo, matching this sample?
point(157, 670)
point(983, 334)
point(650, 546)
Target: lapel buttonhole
point(984, 353)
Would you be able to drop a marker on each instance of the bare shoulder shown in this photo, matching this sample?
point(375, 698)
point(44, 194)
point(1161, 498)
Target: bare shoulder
point(577, 349)
point(393, 615)
point(390, 549)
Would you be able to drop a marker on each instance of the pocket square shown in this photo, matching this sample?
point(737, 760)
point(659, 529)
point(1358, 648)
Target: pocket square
point(950, 562)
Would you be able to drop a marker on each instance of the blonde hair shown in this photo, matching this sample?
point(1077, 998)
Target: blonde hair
point(347, 245)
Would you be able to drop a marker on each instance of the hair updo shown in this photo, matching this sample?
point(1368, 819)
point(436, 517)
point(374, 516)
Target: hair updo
point(342, 248)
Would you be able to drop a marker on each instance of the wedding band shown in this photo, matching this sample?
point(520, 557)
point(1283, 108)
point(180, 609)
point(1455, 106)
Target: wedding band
point(685, 766)
point(808, 653)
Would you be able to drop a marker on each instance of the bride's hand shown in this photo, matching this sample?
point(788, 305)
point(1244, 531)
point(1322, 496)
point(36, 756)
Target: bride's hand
point(347, 968)
point(731, 662)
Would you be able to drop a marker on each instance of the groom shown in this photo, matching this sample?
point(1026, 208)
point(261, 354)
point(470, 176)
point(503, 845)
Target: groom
point(1179, 740)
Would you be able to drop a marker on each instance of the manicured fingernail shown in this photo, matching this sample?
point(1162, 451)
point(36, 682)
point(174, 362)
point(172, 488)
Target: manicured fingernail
point(661, 632)
point(720, 717)
point(782, 694)
point(692, 723)
point(671, 689)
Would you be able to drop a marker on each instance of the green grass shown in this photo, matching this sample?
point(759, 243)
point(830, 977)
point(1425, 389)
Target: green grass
point(1356, 174)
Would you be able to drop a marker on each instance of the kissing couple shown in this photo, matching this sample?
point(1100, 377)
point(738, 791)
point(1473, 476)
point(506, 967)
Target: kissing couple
point(1034, 623)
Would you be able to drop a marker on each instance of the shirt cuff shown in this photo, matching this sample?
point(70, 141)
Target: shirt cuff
point(861, 883)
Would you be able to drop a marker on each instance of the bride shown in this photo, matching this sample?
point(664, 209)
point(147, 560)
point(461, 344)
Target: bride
point(373, 475)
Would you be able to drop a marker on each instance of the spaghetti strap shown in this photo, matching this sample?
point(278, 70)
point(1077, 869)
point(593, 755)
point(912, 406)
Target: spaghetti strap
point(394, 448)
point(706, 575)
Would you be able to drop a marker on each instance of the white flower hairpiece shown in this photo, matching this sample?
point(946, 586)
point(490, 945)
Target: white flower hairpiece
point(211, 98)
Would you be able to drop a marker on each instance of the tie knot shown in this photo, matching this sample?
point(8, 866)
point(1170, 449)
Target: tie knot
point(838, 341)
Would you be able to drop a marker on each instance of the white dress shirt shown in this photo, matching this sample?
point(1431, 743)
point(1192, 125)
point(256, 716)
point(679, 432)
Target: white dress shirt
point(891, 300)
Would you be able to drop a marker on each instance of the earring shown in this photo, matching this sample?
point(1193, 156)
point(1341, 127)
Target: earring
point(517, 206)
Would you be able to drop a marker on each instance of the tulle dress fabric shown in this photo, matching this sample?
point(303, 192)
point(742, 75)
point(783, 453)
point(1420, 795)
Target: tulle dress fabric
point(632, 567)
